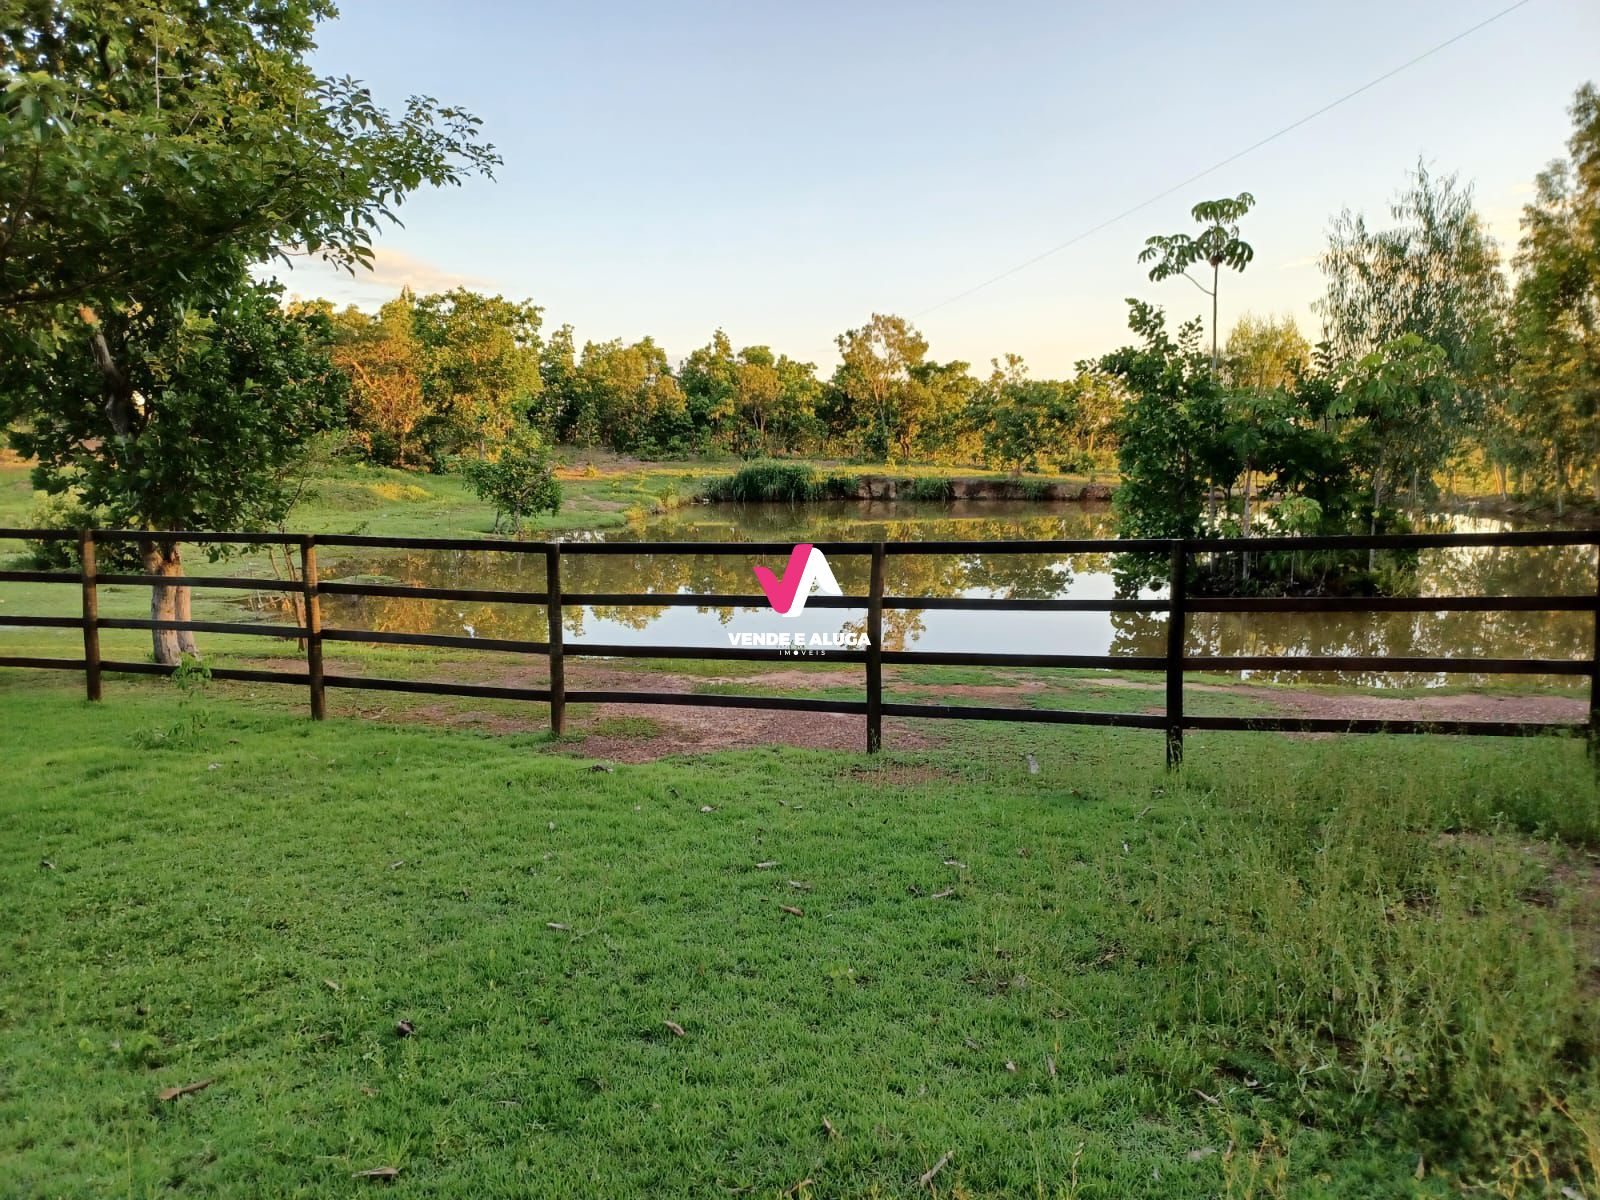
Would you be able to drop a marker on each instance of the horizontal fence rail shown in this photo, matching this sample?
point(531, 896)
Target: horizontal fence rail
point(310, 632)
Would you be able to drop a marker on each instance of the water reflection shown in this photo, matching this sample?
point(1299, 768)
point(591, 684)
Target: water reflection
point(1492, 572)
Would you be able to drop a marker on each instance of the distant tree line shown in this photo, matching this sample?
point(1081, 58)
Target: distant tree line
point(435, 377)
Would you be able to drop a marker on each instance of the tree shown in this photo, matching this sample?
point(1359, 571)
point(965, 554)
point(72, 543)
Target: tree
point(1556, 404)
point(1436, 275)
point(223, 399)
point(481, 363)
point(935, 412)
point(709, 378)
point(774, 401)
point(152, 154)
point(517, 481)
point(558, 401)
point(1098, 403)
point(1173, 450)
point(1023, 419)
point(870, 387)
point(631, 397)
point(383, 359)
point(1218, 246)
point(1394, 408)
point(1264, 353)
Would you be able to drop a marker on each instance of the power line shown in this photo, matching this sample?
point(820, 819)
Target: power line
point(1217, 166)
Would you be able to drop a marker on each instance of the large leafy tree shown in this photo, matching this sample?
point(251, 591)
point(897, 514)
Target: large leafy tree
point(1024, 421)
point(481, 373)
point(629, 398)
point(869, 397)
point(1174, 452)
point(1556, 404)
point(1217, 245)
point(1263, 353)
point(1434, 274)
point(153, 153)
point(240, 373)
point(774, 401)
point(709, 377)
point(383, 359)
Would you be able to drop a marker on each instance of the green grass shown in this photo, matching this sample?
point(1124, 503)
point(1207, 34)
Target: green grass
point(1293, 969)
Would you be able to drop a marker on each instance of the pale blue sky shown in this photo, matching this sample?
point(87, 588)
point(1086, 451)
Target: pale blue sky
point(784, 170)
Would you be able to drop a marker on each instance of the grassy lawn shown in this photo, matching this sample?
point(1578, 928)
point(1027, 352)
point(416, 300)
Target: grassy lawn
point(1343, 967)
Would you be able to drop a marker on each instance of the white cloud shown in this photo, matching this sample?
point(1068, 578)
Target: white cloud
point(307, 278)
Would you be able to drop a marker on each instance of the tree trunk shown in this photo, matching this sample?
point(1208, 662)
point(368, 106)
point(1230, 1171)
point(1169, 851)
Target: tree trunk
point(163, 559)
point(1216, 280)
point(180, 606)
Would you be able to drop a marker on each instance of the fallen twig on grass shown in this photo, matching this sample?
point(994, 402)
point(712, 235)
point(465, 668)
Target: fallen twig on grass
point(927, 1176)
point(188, 1089)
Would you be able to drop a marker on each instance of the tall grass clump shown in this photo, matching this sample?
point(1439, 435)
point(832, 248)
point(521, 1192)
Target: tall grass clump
point(771, 482)
point(929, 487)
point(1379, 941)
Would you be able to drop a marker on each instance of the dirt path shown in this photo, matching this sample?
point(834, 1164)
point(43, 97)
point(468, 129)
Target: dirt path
point(635, 732)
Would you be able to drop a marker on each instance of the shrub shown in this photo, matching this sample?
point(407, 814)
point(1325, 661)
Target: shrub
point(929, 488)
point(67, 511)
point(773, 482)
point(520, 483)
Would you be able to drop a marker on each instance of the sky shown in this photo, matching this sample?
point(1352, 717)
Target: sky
point(785, 170)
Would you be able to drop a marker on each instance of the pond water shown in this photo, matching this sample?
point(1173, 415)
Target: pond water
point(1504, 571)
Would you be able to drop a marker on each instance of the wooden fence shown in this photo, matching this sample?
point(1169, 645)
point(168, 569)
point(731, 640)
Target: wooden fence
point(1173, 664)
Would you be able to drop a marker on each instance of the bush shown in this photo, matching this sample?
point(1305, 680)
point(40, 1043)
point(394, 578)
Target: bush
point(930, 488)
point(67, 511)
point(769, 482)
point(520, 483)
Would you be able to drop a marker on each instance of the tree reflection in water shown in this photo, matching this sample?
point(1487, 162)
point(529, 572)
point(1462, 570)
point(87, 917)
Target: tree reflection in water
point(1498, 571)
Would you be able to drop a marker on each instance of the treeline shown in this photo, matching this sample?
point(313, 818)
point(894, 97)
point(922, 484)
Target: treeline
point(439, 376)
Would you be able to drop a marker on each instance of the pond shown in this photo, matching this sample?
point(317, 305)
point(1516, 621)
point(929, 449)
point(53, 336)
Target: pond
point(1490, 572)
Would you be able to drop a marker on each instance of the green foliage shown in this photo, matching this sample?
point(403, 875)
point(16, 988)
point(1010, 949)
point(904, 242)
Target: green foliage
point(752, 402)
point(627, 397)
point(1553, 415)
point(519, 482)
point(68, 511)
point(871, 401)
point(784, 482)
point(222, 400)
point(1434, 276)
point(1172, 450)
point(1218, 245)
point(1024, 421)
point(933, 488)
point(174, 146)
point(480, 368)
point(191, 677)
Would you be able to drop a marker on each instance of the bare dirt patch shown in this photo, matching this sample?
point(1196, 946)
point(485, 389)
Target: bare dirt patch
point(1456, 706)
point(660, 730)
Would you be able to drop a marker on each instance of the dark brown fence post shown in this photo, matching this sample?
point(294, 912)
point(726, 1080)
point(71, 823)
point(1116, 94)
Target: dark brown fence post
point(875, 652)
point(91, 615)
point(557, 650)
point(1177, 624)
point(313, 607)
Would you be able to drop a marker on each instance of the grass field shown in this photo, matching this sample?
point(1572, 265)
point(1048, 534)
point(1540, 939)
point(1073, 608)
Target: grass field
point(1350, 967)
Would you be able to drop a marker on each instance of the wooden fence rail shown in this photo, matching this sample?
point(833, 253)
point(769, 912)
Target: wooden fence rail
point(1174, 664)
